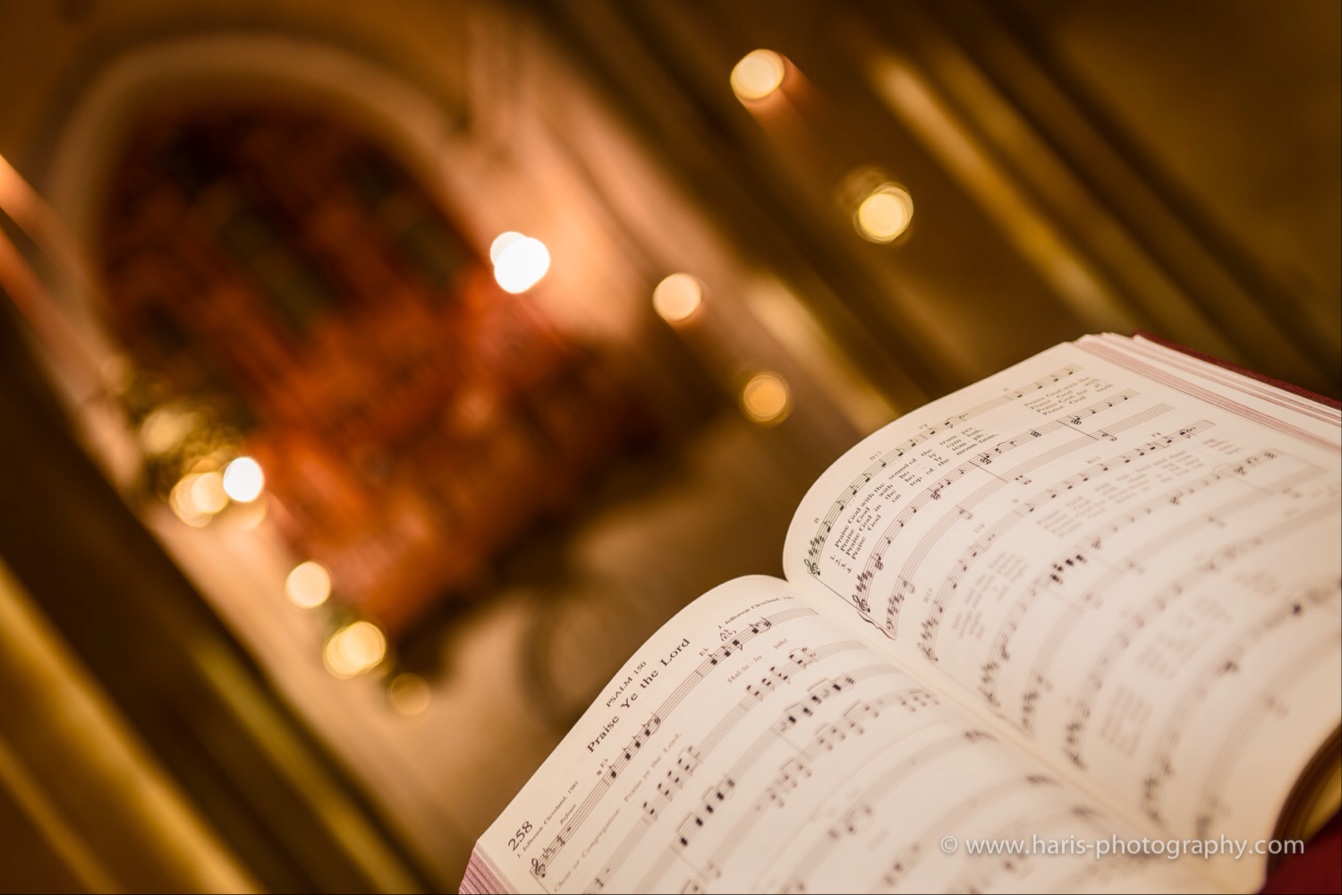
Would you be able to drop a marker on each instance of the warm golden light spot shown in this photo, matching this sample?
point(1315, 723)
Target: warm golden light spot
point(501, 242)
point(520, 262)
point(165, 428)
point(758, 74)
point(884, 214)
point(354, 649)
point(182, 502)
point(409, 694)
point(244, 480)
point(766, 398)
point(207, 492)
point(308, 585)
point(677, 297)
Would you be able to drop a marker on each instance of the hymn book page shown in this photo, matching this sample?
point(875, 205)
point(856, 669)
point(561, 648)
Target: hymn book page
point(1141, 587)
point(753, 744)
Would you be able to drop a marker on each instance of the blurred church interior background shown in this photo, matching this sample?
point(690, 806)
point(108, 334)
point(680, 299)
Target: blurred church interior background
point(326, 504)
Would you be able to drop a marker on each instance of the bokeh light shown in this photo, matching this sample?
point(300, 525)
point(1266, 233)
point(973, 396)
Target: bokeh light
point(244, 480)
point(677, 297)
point(308, 585)
point(207, 492)
point(766, 398)
point(355, 649)
point(884, 214)
point(182, 501)
point(501, 242)
point(758, 74)
point(520, 263)
point(167, 427)
point(409, 694)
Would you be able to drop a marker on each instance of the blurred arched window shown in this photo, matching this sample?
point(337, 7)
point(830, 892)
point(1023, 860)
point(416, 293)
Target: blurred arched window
point(287, 291)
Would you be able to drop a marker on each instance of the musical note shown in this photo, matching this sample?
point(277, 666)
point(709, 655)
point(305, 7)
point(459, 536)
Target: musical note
point(711, 801)
point(789, 777)
point(826, 526)
point(916, 699)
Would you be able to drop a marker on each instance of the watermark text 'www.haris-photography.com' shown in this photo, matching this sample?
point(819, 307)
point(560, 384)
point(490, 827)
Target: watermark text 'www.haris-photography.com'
point(1145, 846)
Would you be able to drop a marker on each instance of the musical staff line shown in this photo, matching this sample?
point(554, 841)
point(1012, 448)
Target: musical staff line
point(1247, 724)
point(853, 819)
point(951, 821)
point(912, 699)
point(1063, 820)
point(932, 621)
point(903, 586)
point(855, 487)
point(540, 864)
point(1113, 575)
point(1122, 640)
point(1162, 767)
point(798, 660)
point(1092, 546)
point(695, 820)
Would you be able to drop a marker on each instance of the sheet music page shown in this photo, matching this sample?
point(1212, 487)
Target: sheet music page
point(1142, 587)
point(754, 744)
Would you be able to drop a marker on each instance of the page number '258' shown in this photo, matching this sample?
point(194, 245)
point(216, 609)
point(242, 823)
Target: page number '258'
point(520, 836)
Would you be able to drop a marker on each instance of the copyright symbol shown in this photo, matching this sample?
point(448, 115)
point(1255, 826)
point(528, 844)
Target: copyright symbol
point(949, 845)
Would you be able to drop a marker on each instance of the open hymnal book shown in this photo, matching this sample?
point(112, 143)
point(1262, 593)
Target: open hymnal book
point(1075, 627)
